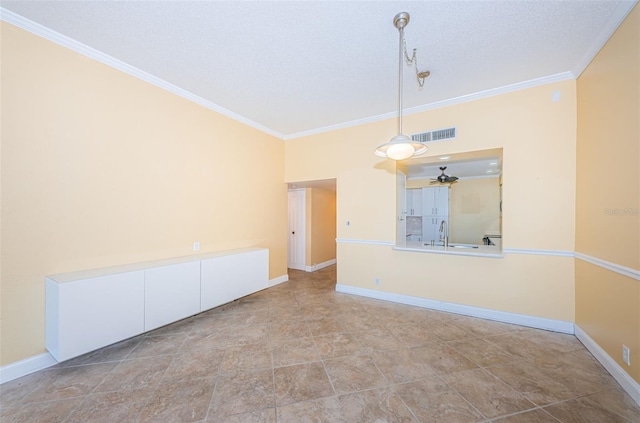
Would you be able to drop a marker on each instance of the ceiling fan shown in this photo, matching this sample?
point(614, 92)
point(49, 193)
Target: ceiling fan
point(444, 179)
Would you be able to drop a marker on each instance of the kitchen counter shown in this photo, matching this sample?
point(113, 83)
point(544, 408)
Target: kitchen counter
point(482, 250)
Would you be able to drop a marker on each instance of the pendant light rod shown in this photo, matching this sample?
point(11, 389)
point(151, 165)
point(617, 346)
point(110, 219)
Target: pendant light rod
point(400, 21)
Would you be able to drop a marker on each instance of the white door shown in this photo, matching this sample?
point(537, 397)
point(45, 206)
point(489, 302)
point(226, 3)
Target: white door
point(297, 225)
point(401, 211)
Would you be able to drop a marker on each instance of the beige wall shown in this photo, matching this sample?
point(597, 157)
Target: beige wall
point(100, 168)
point(537, 136)
point(608, 194)
point(323, 226)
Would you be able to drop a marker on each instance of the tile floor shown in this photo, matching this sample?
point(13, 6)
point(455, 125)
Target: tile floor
point(300, 352)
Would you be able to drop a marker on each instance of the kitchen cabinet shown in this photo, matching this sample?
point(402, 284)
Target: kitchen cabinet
point(435, 201)
point(414, 202)
point(431, 227)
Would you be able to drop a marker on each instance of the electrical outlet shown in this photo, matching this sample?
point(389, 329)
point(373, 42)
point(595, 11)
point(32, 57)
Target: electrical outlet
point(377, 281)
point(626, 355)
point(196, 246)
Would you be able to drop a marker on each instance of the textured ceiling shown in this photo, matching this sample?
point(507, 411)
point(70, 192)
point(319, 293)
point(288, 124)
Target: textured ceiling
point(294, 67)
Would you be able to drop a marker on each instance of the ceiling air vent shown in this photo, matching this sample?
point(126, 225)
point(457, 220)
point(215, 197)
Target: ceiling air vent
point(437, 135)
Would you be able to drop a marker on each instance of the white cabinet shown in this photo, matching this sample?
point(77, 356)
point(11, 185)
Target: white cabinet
point(91, 309)
point(87, 314)
point(431, 227)
point(224, 279)
point(414, 202)
point(171, 293)
point(435, 201)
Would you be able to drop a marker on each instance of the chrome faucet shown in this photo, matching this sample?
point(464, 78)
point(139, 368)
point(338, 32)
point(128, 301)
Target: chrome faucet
point(444, 228)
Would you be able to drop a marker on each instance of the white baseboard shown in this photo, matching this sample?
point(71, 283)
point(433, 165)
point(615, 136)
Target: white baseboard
point(483, 313)
point(627, 382)
point(27, 366)
point(278, 280)
point(320, 265)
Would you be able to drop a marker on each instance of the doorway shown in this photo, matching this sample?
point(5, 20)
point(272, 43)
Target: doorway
point(296, 251)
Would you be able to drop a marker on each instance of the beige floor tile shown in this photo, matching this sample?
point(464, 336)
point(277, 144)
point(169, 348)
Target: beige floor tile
point(15, 392)
point(261, 416)
point(535, 416)
point(483, 327)
point(412, 335)
point(617, 401)
point(286, 353)
point(534, 382)
point(488, 394)
point(42, 412)
point(376, 340)
point(69, 382)
point(289, 330)
point(247, 357)
point(324, 326)
point(355, 373)
point(181, 326)
point(110, 407)
point(195, 364)
point(323, 410)
point(443, 359)
point(217, 338)
point(582, 410)
point(154, 346)
point(447, 331)
point(135, 374)
point(481, 352)
point(399, 366)
point(379, 405)
point(179, 401)
point(115, 352)
point(433, 401)
point(301, 382)
point(338, 345)
point(242, 392)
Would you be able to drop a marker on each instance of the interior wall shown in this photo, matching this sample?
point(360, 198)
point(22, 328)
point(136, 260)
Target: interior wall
point(537, 136)
point(323, 226)
point(608, 194)
point(101, 169)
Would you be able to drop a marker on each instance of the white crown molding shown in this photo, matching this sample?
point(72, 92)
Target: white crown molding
point(483, 313)
point(623, 270)
point(278, 280)
point(564, 76)
point(83, 49)
point(628, 384)
point(27, 366)
point(618, 16)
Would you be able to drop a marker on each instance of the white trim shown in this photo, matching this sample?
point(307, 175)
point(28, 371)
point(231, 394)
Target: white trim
point(617, 17)
point(27, 366)
point(623, 270)
point(483, 313)
point(83, 49)
point(539, 252)
point(564, 76)
point(320, 265)
point(278, 280)
point(628, 384)
point(364, 241)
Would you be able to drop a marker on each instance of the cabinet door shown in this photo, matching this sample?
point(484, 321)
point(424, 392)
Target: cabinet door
point(414, 202)
point(228, 278)
point(441, 201)
point(428, 201)
point(88, 314)
point(171, 293)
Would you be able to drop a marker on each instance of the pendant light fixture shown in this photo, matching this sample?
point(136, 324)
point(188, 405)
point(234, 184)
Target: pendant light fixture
point(401, 146)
